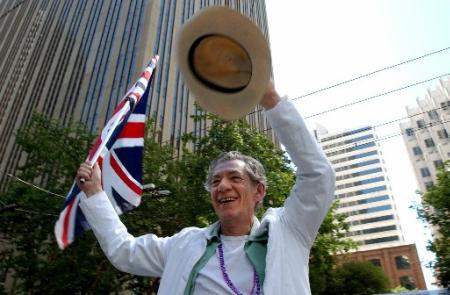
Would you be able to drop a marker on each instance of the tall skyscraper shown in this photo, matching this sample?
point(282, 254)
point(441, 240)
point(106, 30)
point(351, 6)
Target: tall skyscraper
point(426, 133)
point(75, 59)
point(362, 188)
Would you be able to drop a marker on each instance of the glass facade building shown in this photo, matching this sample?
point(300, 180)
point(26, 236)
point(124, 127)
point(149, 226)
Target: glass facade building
point(75, 59)
point(362, 188)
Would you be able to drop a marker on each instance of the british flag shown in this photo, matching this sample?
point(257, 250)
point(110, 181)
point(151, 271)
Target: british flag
point(119, 152)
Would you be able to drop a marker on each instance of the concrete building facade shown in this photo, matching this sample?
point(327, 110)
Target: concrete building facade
point(427, 133)
point(75, 59)
point(362, 188)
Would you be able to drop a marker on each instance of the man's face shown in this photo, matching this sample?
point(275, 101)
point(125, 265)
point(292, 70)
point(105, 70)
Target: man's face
point(234, 195)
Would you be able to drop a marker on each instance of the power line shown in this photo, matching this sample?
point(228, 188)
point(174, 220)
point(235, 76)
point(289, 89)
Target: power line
point(350, 145)
point(376, 96)
point(11, 9)
point(35, 186)
point(353, 103)
point(372, 73)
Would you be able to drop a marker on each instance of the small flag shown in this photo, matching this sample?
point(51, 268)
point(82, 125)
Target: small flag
point(119, 152)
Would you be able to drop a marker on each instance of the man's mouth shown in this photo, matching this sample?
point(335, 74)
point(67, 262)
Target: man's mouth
point(226, 200)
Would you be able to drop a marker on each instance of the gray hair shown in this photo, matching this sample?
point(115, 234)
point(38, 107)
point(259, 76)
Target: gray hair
point(253, 167)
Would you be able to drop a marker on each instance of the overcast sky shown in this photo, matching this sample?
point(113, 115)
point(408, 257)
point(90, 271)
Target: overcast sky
point(316, 44)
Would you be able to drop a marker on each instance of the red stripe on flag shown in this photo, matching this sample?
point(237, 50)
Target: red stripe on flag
point(133, 130)
point(123, 176)
point(65, 234)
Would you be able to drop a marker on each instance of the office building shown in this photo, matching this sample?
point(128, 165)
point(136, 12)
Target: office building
point(426, 133)
point(75, 59)
point(362, 188)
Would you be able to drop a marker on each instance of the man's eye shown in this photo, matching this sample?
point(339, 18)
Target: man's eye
point(237, 178)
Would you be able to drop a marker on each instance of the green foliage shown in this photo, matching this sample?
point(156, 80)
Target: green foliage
point(358, 278)
point(437, 212)
point(330, 242)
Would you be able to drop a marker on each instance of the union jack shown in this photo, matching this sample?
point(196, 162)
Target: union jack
point(119, 152)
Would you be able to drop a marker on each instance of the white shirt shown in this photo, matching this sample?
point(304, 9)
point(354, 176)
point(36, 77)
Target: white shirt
point(239, 269)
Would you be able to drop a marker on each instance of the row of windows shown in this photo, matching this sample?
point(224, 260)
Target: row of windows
point(360, 182)
point(380, 240)
point(357, 165)
point(346, 134)
point(371, 220)
point(371, 230)
point(368, 210)
point(354, 157)
point(364, 201)
point(361, 192)
point(351, 149)
point(341, 143)
point(442, 134)
point(360, 173)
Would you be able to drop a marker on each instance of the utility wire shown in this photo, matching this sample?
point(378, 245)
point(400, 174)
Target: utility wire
point(372, 73)
point(11, 9)
point(35, 186)
point(376, 96)
point(355, 144)
point(350, 104)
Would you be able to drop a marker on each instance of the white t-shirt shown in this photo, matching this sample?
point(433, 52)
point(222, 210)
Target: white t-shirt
point(240, 271)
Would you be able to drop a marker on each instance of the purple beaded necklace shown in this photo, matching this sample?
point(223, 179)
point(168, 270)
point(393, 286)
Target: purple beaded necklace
point(228, 280)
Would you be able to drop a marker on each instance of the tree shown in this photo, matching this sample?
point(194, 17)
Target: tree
point(437, 212)
point(29, 250)
point(359, 278)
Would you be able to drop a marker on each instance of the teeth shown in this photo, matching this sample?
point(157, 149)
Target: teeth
point(224, 200)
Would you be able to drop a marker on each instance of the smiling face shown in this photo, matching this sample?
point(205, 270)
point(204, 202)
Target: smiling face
point(234, 195)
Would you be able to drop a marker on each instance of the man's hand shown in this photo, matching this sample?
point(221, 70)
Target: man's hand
point(92, 179)
point(270, 97)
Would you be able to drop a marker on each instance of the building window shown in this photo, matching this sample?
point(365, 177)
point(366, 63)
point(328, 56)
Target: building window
point(425, 172)
point(429, 184)
point(420, 123)
point(429, 142)
point(433, 115)
point(445, 105)
point(408, 282)
point(442, 134)
point(438, 164)
point(409, 131)
point(417, 151)
point(375, 262)
point(402, 262)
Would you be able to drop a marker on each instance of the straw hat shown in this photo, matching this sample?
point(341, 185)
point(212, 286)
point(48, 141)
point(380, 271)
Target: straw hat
point(225, 61)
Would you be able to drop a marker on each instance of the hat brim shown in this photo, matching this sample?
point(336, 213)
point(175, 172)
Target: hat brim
point(219, 20)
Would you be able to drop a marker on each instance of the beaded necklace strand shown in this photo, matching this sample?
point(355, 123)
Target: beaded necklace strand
point(228, 280)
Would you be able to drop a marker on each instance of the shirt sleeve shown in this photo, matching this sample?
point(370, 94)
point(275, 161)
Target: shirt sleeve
point(144, 255)
point(313, 192)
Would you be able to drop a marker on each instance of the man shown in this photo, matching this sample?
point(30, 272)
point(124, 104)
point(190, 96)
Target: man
point(237, 254)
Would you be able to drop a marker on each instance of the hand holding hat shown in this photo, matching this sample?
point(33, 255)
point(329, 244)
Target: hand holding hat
point(225, 61)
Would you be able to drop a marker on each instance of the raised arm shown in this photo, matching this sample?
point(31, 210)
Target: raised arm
point(144, 255)
point(313, 191)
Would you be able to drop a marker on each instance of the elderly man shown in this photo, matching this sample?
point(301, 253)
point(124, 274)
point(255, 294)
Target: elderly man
point(238, 254)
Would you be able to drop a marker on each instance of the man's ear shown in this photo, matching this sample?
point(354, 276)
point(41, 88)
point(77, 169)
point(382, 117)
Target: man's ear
point(260, 192)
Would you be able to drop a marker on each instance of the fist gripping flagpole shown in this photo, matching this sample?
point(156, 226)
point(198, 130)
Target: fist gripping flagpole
point(121, 112)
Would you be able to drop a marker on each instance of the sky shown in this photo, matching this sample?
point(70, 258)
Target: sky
point(316, 44)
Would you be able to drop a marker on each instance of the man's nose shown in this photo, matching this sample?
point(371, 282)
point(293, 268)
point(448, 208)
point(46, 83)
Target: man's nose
point(224, 185)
